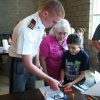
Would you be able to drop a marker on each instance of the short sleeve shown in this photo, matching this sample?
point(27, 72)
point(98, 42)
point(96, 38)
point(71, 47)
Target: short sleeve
point(63, 63)
point(44, 47)
point(85, 64)
point(26, 41)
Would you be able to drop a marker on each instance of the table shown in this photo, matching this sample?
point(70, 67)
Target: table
point(37, 95)
point(28, 95)
point(77, 95)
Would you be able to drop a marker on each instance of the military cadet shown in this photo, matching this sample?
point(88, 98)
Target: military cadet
point(26, 39)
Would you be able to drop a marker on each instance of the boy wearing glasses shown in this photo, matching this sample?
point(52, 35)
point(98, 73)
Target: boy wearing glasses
point(74, 62)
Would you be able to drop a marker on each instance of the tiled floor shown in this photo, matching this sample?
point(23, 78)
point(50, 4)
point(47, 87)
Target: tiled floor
point(4, 89)
point(4, 84)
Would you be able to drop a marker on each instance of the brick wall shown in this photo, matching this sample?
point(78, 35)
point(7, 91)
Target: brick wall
point(77, 12)
point(13, 10)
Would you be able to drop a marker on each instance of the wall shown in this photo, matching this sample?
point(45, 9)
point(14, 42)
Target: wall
point(13, 10)
point(77, 12)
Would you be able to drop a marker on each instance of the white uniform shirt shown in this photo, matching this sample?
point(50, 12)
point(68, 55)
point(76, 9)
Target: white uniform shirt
point(26, 41)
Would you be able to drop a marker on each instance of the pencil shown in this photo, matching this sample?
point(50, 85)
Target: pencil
point(93, 97)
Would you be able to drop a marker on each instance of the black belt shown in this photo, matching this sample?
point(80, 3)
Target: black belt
point(17, 59)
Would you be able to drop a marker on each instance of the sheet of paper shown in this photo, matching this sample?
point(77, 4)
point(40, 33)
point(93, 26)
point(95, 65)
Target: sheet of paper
point(97, 76)
point(94, 90)
point(49, 94)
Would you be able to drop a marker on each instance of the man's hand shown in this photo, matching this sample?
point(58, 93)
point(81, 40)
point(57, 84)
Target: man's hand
point(54, 84)
point(69, 85)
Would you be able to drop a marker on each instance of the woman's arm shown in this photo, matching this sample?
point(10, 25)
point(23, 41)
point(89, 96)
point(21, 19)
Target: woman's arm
point(43, 64)
point(37, 61)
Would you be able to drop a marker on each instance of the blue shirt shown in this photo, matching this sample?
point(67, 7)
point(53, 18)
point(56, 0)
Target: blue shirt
point(74, 64)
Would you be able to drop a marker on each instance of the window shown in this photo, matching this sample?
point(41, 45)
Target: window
point(94, 16)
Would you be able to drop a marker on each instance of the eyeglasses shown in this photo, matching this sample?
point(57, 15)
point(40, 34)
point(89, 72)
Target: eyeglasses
point(62, 33)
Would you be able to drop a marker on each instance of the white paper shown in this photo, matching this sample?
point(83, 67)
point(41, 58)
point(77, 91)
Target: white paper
point(97, 76)
point(5, 44)
point(94, 90)
point(50, 93)
point(80, 89)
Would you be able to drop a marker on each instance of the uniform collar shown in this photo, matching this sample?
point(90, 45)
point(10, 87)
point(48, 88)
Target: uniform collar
point(40, 25)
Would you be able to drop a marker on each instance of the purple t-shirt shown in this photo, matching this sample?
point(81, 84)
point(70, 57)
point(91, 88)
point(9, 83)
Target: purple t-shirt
point(52, 50)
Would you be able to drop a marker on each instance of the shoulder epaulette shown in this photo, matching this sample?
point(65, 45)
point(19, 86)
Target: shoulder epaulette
point(32, 24)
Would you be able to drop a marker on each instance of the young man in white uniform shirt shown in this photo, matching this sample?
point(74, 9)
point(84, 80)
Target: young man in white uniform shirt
point(26, 39)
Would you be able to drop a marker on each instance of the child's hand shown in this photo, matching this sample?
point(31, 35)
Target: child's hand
point(69, 85)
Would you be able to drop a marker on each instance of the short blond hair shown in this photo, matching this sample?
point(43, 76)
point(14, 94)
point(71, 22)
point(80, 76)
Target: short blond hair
point(54, 7)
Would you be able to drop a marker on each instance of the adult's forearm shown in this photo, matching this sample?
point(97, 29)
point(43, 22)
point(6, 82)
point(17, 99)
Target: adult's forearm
point(27, 59)
point(36, 59)
point(96, 45)
point(43, 64)
point(35, 70)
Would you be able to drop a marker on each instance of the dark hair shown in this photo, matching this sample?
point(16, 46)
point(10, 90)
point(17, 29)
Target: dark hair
point(73, 39)
point(81, 30)
point(54, 6)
